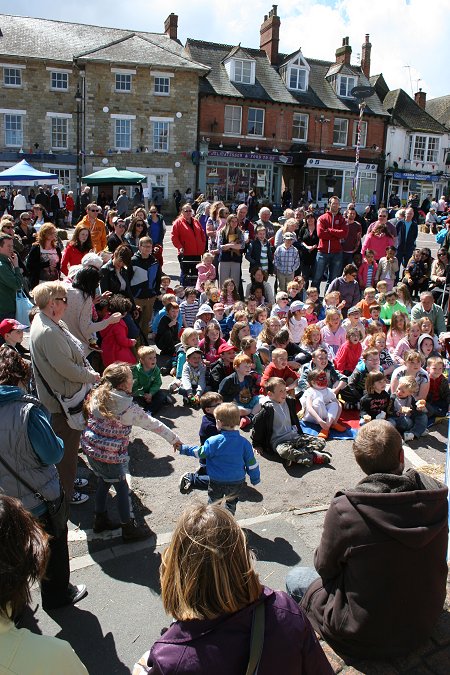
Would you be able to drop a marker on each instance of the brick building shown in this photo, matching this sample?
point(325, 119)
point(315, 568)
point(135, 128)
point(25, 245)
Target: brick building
point(269, 120)
point(137, 101)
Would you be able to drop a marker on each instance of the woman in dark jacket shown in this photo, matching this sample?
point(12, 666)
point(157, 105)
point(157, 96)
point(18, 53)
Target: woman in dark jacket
point(115, 277)
point(44, 260)
point(211, 589)
point(117, 238)
point(307, 242)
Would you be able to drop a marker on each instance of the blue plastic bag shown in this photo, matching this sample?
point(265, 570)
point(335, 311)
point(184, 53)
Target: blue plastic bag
point(23, 306)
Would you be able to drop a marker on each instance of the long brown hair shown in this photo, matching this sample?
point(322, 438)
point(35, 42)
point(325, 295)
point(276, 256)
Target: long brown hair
point(75, 241)
point(207, 570)
point(113, 376)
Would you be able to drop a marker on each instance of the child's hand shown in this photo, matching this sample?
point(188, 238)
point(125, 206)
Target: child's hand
point(421, 404)
point(405, 410)
point(367, 418)
point(176, 446)
point(258, 451)
point(132, 342)
point(148, 397)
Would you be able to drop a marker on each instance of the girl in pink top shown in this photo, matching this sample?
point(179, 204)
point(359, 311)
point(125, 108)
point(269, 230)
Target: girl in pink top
point(408, 342)
point(211, 343)
point(397, 330)
point(206, 271)
point(378, 241)
point(333, 333)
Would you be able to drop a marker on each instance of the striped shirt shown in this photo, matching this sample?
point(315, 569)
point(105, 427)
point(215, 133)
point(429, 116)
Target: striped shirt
point(264, 257)
point(189, 313)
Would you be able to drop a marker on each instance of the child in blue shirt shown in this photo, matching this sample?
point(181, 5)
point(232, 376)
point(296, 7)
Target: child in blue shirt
point(228, 457)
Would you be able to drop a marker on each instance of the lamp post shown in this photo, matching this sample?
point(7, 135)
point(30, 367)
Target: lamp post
point(78, 99)
point(321, 120)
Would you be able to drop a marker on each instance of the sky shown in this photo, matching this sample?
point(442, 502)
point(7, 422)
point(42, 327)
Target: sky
point(408, 36)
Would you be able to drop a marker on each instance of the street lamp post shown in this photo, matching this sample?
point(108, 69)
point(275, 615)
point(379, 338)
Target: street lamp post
point(321, 120)
point(78, 99)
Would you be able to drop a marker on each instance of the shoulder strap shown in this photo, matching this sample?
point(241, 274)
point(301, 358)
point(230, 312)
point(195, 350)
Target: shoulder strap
point(49, 391)
point(256, 639)
point(9, 468)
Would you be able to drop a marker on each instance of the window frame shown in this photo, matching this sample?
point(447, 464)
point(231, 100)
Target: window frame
point(18, 72)
point(363, 134)
point(340, 131)
point(161, 77)
point(125, 122)
point(348, 89)
point(231, 131)
point(299, 69)
point(242, 78)
point(298, 139)
point(164, 147)
point(59, 74)
point(256, 122)
point(13, 145)
point(57, 121)
point(436, 150)
point(118, 78)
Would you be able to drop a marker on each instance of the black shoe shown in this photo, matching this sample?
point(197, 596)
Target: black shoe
point(76, 593)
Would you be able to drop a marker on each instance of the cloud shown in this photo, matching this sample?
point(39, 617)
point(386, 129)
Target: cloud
point(403, 32)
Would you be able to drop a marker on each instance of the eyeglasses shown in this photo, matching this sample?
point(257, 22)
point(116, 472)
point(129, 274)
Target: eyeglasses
point(95, 210)
point(382, 215)
point(153, 211)
point(25, 219)
point(64, 300)
point(139, 224)
point(8, 227)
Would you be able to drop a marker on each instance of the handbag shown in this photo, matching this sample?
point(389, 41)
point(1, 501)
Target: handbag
point(256, 639)
point(23, 306)
point(57, 509)
point(72, 407)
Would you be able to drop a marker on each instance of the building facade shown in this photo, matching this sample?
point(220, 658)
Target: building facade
point(77, 98)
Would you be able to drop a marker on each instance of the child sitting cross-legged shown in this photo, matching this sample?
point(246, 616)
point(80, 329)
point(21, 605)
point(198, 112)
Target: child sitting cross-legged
point(297, 356)
point(438, 398)
point(321, 361)
point(355, 389)
point(320, 404)
point(407, 415)
point(240, 388)
point(276, 428)
point(222, 367)
point(199, 479)
point(193, 377)
point(228, 457)
point(147, 382)
point(279, 368)
point(374, 404)
point(248, 346)
point(349, 353)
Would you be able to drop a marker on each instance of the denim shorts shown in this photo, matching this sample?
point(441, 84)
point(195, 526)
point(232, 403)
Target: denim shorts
point(111, 473)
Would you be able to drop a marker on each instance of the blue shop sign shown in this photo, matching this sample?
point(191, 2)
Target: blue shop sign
point(417, 176)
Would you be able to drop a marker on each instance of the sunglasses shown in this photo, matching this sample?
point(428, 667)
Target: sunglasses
point(153, 211)
point(95, 210)
point(187, 210)
point(64, 300)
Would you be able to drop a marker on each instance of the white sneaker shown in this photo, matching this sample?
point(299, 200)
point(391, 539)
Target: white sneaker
point(408, 436)
point(78, 498)
point(80, 483)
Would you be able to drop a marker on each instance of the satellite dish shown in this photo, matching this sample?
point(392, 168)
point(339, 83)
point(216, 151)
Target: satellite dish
point(362, 92)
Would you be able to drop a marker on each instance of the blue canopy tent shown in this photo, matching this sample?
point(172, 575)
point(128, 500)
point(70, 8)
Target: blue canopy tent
point(23, 173)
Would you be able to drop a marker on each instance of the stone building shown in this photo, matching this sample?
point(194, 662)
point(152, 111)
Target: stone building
point(105, 96)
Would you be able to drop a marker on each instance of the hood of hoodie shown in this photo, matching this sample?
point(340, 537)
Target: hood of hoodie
point(9, 393)
point(422, 338)
point(204, 309)
point(120, 402)
point(411, 508)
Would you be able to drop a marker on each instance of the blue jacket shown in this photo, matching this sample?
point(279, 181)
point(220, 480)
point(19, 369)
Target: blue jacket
point(229, 456)
point(207, 428)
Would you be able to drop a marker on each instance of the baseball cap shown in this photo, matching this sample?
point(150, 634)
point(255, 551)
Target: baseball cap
point(7, 325)
point(289, 235)
point(296, 306)
point(218, 305)
point(354, 310)
point(226, 348)
point(193, 350)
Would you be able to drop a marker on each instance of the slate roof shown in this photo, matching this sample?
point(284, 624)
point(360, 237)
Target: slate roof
point(26, 37)
point(439, 108)
point(409, 114)
point(269, 85)
point(379, 84)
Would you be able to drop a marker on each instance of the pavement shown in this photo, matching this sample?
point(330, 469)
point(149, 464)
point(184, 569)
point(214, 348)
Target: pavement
point(283, 516)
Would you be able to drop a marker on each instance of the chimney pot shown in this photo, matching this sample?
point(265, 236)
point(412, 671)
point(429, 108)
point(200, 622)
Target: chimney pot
point(171, 26)
point(344, 53)
point(420, 98)
point(270, 35)
point(365, 57)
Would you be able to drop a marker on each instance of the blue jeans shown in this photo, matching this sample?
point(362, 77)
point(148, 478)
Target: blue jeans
point(330, 263)
point(438, 408)
point(298, 580)
point(217, 491)
point(415, 424)
point(199, 481)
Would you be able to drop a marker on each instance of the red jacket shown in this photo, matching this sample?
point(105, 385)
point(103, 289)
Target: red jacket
point(271, 370)
point(71, 256)
point(362, 275)
point(331, 229)
point(116, 345)
point(347, 356)
point(189, 237)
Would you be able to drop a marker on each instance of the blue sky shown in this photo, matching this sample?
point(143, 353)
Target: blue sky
point(403, 32)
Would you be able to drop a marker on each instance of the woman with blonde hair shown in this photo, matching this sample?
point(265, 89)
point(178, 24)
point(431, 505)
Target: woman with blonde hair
point(44, 260)
point(226, 621)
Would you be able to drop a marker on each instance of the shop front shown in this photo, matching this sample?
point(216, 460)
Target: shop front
point(224, 174)
point(403, 183)
point(326, 177)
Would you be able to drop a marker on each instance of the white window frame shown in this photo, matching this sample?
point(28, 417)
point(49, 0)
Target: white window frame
point(233, 120)
point(159, 124)
point(18, 72)
point(343, 124)
point(435, 150)
point(302, 121)
point(62, 76)
point(57, 124)
point(122, 128)
point(123, 79)
point(297, 70)
point(160, 83)
point(348, 82)
point(18, 116)
point(237, 71)
point(258, 125)
point(363, 143)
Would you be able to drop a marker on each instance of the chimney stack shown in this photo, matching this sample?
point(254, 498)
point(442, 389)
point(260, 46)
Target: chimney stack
point(270, 35)
point(171, 26)
point(365, 57)
point(420, 98)
point(344, 53)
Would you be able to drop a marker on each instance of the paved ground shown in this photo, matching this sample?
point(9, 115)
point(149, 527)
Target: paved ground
point(123, 615)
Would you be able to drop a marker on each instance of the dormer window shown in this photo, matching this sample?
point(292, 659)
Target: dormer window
point(345, 84)
point(241, 71)
point(295, 74)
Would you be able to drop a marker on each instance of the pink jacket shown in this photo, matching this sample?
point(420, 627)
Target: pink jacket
point(377, 244)
point(362, 274)
point(205, 273)
point(116, 345)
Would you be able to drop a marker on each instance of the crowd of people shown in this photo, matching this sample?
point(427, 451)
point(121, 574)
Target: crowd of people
point(353, 325)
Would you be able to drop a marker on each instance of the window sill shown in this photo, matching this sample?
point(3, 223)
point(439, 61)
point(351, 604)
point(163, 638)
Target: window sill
point(123, 91)
point(13, 86)
point(299, 140)
point(158, 93)
point(63, 91)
